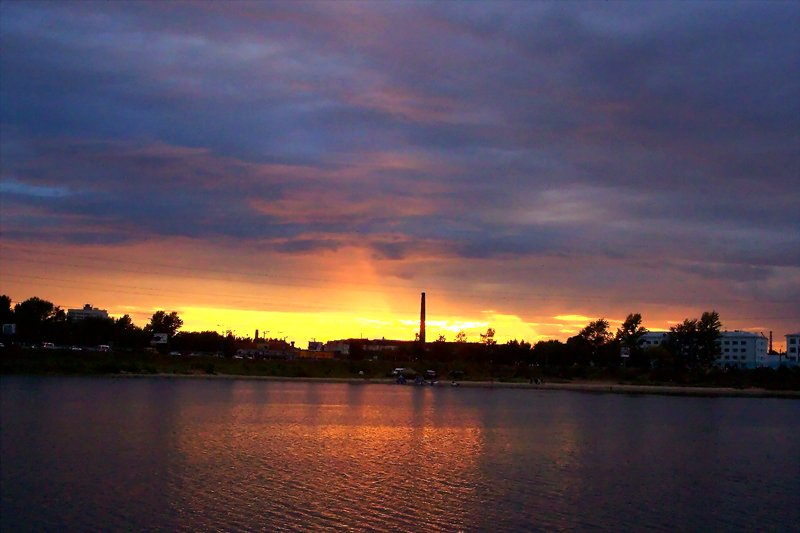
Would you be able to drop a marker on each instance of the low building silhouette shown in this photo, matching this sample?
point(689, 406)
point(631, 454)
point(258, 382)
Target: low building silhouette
point(86, 312)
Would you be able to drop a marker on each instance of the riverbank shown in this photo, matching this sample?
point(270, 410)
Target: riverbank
point(577, 386)
point(783, 383)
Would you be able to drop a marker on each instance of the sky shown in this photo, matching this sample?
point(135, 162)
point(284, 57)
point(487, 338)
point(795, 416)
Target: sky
point(308, 168)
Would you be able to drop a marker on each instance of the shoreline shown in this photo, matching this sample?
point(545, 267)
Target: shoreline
point(580, 386)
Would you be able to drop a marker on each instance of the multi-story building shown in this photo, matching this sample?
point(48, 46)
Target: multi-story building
point(342, 348)
point(87, 312)
point(315, 346)
point(653, 338)
point(740, 349)
point(793, 348)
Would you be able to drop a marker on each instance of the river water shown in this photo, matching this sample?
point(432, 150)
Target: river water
point(85, 454)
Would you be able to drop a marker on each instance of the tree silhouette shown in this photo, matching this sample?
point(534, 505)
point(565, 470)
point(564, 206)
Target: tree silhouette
point(708, 328)
point(461, 337)
point(161, 322)
point(33, 316)
point(488, 337)
point(128, 334)
point(6, 313)
point(693, 342)
point(591, 344)
point(596, 333)
point(631, 331)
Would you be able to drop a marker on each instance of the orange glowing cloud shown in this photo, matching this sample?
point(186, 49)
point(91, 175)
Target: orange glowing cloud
point(325, 207)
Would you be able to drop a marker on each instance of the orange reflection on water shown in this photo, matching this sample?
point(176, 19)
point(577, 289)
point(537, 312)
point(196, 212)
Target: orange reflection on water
point(387, 453)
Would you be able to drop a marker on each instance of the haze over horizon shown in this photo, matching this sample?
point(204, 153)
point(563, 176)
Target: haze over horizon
point(308, 168)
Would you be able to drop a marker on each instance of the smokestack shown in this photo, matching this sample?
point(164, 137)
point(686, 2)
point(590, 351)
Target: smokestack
point(256, 334)
point(770, 342)
point(422, 319)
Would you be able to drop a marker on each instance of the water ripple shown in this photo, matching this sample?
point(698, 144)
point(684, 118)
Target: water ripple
point(263, 456)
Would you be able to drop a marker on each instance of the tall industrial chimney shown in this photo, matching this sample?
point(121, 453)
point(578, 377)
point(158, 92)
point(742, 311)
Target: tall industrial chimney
point(422, 319)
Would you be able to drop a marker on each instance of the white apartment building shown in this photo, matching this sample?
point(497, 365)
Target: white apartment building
point(793, 348)
point(653, 338)
point(87, 312)
point(740, 349)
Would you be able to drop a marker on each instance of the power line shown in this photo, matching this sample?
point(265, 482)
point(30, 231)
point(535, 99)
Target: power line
point(143, 291)
point(355, 286)
point(285, 305)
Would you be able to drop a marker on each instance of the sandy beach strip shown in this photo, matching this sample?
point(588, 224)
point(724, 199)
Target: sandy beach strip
point(576, 386)
point(667, 390)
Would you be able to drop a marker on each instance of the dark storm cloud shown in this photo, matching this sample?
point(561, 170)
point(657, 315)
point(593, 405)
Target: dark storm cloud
point(304, 245)
point(484, 130)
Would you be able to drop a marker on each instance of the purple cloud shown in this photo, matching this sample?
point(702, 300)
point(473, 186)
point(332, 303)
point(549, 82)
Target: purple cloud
point(496, 132)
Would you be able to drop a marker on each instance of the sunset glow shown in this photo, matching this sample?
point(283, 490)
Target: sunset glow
point(307, 169)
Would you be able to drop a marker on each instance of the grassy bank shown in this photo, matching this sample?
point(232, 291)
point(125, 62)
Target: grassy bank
point(64, 362)
point(68, 362)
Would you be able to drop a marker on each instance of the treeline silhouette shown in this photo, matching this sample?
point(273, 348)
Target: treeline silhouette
point(39, 321)
point(692, 344)
point(687, 357)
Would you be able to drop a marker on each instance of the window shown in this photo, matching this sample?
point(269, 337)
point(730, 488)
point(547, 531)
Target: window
point(727, 342)
point(792, 349)
point(727, 350)
point(734, 342)
point(792, 340)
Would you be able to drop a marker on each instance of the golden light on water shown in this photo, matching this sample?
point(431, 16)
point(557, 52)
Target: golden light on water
point(419, 454)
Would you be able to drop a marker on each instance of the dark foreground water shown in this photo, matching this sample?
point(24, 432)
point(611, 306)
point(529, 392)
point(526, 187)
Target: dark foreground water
point(179, 454)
